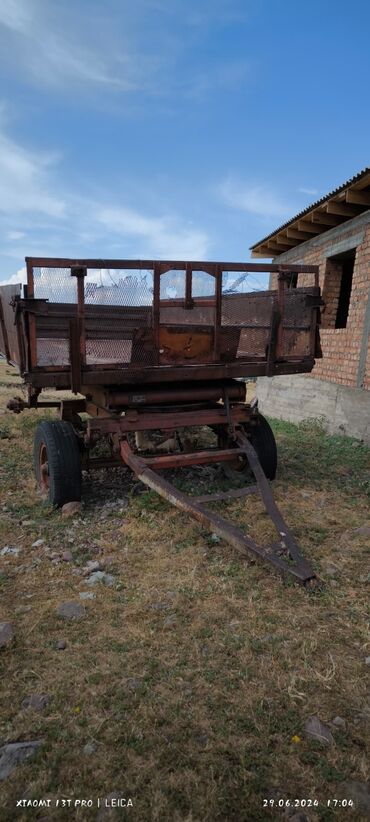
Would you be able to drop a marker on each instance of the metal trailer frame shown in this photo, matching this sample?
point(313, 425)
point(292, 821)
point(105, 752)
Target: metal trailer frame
point(124, 398)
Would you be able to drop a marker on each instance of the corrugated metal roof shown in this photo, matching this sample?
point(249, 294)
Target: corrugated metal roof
point(314, 205)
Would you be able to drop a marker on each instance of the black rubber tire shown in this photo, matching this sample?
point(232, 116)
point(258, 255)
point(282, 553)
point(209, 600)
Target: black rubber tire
point(263, 441)
point(58, 439)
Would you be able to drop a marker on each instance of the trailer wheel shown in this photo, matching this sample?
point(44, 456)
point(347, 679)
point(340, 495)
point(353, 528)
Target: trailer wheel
point(57, 462)
point(263, 441)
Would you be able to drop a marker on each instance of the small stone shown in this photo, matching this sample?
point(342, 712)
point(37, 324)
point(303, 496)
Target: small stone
point(215, 538)
point(91, 565)
point(170, 620)
point(100, 576)
point(61, 645)
point(37, 702)
point(339, 722)
point(202, 739)
point(10, 550)
point(87, 595)
point(37, 543)
point(331, 570)
point(159, 606)
point(67, 556)
point(14, 753)
point(315, 729)
point(6, 634)
point(367, 660)
point(23, 609)
point(359, 792)
point(89, 749)
point(70, 509)
point(333, 583)
point(28, 522)
point(305, 494)
point(362, 531)
point(70, 610)
point(133, 683)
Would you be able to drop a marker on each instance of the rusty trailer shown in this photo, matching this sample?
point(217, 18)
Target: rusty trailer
point(152, 346)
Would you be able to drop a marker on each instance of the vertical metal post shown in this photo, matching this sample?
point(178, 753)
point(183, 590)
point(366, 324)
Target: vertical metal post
point(156, 309)
point(217, 326)
point(188, 286)
point(80, 274)
point(31, 317)
point(280, 329)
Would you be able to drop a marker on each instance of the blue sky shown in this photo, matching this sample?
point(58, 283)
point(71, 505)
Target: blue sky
point(173, 128)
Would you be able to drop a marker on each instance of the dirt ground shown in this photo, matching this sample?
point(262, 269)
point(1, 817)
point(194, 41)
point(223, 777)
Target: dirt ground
point(188, 680)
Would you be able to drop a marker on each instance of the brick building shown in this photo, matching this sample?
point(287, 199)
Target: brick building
point(333, 233)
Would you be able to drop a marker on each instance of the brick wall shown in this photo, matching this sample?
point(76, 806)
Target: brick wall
point(341, 347)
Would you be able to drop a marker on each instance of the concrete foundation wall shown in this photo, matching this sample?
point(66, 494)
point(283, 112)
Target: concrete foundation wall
point(298, 397)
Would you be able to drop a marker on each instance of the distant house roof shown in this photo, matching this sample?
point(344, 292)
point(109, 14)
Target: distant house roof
point(340, 205)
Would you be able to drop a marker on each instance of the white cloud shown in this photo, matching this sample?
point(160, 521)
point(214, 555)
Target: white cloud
point(15, 235)
point(255, 199)
point(310, 191)
point(24, 183)
point(73, 226)
point(56, 49)
point(161, 236)
point(19, 277)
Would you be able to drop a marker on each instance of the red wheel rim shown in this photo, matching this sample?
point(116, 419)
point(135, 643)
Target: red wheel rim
point(44, 479)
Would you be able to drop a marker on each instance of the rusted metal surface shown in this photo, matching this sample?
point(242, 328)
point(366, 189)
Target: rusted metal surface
point(177, 316)
point(176, 394)
point(284, 555)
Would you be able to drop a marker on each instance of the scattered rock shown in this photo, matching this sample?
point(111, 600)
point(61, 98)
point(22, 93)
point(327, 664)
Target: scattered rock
point(38, 543)
point(170, 620)
point(333, 583)
point(10, 549)
point(70, 509)
point(359, 792)
point(362, 531)
point(54, 556)
point(14, 753)
point(215, 538)
point(315, 729)
point(133, 683)
point(91, 565)
point(159, 606)
point(87, 595)
point(331, 570)
point(367, 660)
point(37, 702)
point(61, 645)
point(28, 522)
point(202, 739)
point(339, 722)
point(305, 494)
point(6, 634)
point(100, 576)
point(89, 749)
point(67, 556)
point(23, 609)
point(71, 610)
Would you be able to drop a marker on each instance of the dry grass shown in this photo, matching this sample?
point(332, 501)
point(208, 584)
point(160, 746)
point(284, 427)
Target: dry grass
point(192, 705)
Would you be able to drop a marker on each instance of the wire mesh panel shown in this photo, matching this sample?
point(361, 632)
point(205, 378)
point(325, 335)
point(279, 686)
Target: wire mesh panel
point(246, 318)
point(119, 317)
point(58, 288)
